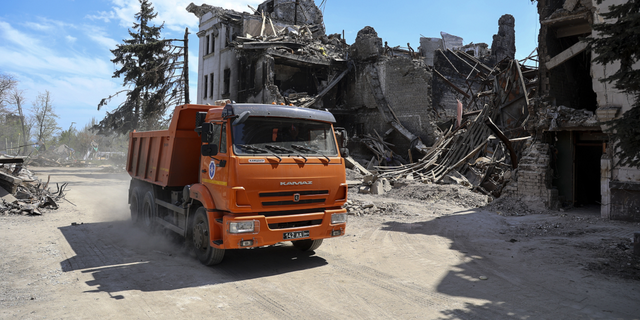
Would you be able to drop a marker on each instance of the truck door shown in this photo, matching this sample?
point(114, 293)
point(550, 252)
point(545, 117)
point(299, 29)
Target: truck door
point(215, 172)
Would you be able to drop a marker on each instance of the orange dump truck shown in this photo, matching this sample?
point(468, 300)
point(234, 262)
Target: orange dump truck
point(240, 176)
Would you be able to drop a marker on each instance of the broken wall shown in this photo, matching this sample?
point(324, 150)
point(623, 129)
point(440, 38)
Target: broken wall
point(565, 69)
point(533, 181)
point(461, 75)
point(504, 42)
point(428, 47)
point(406, 87)
point(295, 12)
point(571, 80)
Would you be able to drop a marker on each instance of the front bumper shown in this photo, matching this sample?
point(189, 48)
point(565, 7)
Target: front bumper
point(271, 230)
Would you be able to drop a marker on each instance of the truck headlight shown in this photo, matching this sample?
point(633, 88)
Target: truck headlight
point(338, 218)
point(242, 226)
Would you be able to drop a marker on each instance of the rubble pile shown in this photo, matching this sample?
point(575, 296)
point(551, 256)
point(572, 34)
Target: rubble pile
point(510, 206)
point(435, 193)
point(361, 208)
point(23, 193)
point(474, 152)
point(41, 161)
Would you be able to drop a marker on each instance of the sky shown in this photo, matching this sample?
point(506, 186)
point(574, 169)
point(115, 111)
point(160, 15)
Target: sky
point(63, 46)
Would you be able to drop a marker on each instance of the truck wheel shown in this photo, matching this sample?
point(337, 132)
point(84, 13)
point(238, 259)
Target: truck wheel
point(148, 212)
point(307, 245)
point(200, 235)
point(134, 205)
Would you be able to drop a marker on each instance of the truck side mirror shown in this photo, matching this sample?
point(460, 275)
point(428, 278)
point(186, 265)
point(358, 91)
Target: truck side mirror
point(341, 136)
point(209, 150)
point(207, 132)
point(242, 118)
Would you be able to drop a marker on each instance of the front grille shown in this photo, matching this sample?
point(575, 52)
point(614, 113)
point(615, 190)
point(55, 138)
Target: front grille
point(295, 224)
point(291, 202)
point(288, 212)
point(291, 193)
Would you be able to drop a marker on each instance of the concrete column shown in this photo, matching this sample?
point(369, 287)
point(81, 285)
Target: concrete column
point(428, 47)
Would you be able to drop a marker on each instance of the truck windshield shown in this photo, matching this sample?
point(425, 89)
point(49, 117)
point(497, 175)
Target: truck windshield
point(259, 135)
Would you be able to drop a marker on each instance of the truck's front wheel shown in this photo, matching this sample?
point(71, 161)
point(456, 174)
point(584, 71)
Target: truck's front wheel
point(207, 254)
point(307, 245)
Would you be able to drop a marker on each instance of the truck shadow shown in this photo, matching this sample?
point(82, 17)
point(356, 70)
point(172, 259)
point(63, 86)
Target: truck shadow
point(122, 257)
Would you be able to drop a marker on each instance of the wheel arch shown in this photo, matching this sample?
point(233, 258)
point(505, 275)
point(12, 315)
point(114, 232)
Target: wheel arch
point(199, 193)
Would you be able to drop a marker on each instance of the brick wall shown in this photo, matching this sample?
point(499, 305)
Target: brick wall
point(533, 180)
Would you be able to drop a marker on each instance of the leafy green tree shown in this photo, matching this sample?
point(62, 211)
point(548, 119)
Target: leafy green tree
point(618, 41)
point(148, 66)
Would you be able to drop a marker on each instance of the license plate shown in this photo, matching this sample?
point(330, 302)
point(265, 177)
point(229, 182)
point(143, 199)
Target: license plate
point(295, 235)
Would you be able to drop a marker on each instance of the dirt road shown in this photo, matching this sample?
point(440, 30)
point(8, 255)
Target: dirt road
point(420, 259)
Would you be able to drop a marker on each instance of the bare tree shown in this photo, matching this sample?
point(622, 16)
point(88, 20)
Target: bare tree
point(7, 83)
point(44, 119)
point(16, 98)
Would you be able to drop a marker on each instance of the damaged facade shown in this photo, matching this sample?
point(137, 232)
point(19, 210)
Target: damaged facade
point(445, 111)
point(266, 57)
point(572, 150)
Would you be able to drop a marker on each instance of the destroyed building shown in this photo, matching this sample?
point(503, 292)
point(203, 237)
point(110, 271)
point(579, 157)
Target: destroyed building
point(266, 56)
point(444, 111)
point(572, 161)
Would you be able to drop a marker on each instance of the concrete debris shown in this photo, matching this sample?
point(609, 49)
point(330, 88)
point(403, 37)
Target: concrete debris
point(353, 164)
point(556, 117)
point(361, 208)
point(23, 193)
point(383, 154)
point(372, 184)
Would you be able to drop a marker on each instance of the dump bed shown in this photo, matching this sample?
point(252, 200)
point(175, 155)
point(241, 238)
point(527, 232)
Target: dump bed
point(168, 157)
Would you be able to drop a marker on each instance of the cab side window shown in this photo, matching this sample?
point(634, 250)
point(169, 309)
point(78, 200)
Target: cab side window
point(216, 134)
point(223, 139)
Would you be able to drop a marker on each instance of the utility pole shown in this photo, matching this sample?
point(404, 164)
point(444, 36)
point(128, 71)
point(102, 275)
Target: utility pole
point(295, 14)
point(186, 66)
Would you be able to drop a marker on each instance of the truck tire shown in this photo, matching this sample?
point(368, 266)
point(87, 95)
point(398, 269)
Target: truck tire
point(207, 254)
point(307, 245)
point(148, 212)
point(134, 205)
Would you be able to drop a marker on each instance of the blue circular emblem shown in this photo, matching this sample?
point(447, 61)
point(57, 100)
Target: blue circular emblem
point(212, 169)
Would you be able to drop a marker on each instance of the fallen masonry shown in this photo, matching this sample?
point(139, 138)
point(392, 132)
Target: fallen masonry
point(474, 153)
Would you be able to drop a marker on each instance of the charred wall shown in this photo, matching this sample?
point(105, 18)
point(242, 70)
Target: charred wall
point(406, 85)
point(455, 71)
